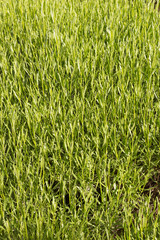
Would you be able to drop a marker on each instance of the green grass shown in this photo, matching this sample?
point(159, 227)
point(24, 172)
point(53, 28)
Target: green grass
point(79, 119)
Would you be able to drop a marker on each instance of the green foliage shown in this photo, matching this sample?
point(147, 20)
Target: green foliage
point(79, 119)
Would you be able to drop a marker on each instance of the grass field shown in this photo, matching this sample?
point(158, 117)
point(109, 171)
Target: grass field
point(79, 119)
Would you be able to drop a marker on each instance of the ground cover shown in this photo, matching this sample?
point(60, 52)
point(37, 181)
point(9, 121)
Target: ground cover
point(79, 119)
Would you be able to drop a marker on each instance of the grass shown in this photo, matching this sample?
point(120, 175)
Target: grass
point(79, 119)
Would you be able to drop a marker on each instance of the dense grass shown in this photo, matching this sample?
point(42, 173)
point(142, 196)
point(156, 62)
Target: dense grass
point(79, 119)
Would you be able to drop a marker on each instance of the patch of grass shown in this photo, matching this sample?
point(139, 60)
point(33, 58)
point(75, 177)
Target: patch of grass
point(79, 119)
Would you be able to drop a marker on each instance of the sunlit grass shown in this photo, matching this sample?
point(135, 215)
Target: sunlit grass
point(79, 119)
